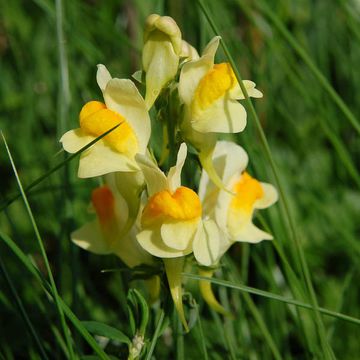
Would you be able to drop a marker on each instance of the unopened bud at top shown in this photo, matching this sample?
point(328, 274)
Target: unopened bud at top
point(161, 52)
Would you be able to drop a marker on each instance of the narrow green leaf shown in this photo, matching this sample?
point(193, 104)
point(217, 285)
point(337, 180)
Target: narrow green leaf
point(46, 286)
point(326, 348)
point(156, 335)
point(272, 296)
point(56, 167)
point(22, 310)
point(54, 290)
point(107, 331)
point(267, 10)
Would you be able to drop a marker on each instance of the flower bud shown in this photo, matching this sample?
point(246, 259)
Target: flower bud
point(160, 58)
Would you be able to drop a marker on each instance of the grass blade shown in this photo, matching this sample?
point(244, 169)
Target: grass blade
point(273, 296)
point(307, 60)
point(54, 290)
point(56, 167)
point(47, 288)
point(156, 335)
point(300, 253)
point(22, 310)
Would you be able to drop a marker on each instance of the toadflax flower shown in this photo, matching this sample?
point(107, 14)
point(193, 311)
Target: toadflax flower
point(116, 151)
point(160, 57)
point(169, 221)
point(232, 213)
point(108, 233)
point(210, 94)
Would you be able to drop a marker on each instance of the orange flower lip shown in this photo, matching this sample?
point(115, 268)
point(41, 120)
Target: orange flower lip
point(104, 203)
point(183, 204)
point(247, 191)
point(96, 118)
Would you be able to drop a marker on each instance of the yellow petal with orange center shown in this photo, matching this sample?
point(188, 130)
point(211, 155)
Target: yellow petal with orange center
point(247, 191)
point(96, 118)
point(104, 204)
point(183, 204)
point(213, 86)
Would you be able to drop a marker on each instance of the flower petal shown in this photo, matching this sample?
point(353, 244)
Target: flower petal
point(89, 237)
point(206, 245)
point(193, 71)
point(150, 240)
point(122, 96)
point(100, 159)
point(102, 76)
point(229, 159)
point(270, 196)
point(222, 116)
point(211, 48)
point(73, 140)
point(162, 64)
point(222, 207)
point(155, 179)
point(130, 252)
point(252, 234)
point(179, 235)
point(236, 92)
point(174, 175)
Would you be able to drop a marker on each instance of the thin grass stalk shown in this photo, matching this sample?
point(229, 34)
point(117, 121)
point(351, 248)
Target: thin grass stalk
point(155, 335)
point(311, 65)
point(56, 167)
point(64, 99)
point(323, 339)
point(54, 290)
point(273, 296)
point(30, 266)
point(202, 335)
point(257, 316)
point(22, 310)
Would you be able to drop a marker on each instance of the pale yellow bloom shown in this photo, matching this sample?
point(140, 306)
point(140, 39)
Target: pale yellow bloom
point(170, 221)
point(116, 151)
point(172, 213)
point(161, 52)
point(233, 213)
point(108, 233)
point(210, 93)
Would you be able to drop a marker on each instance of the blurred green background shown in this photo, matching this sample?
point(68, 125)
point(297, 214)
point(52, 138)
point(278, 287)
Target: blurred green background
point(48, 56)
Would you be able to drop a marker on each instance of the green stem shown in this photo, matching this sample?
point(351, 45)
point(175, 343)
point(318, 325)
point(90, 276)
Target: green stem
point(300, 253)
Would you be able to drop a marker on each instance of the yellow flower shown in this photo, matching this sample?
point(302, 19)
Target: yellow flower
point(116, 151)
point(160, 57)
point(170, 221)
point(107, 233)
point(233, 212)
point(172, 213)
point(210, 93)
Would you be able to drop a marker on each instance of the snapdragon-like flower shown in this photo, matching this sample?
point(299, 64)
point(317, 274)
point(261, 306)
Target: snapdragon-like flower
point(210, 94)
point(233, 213)
point(172, 213)
point(170, 221)
point(161, 52)
point(108, 233)
point(116, 151)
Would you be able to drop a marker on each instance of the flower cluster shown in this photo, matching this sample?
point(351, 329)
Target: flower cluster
point(146, 216)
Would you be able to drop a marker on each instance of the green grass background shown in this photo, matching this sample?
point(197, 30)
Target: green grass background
point(299, 53)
